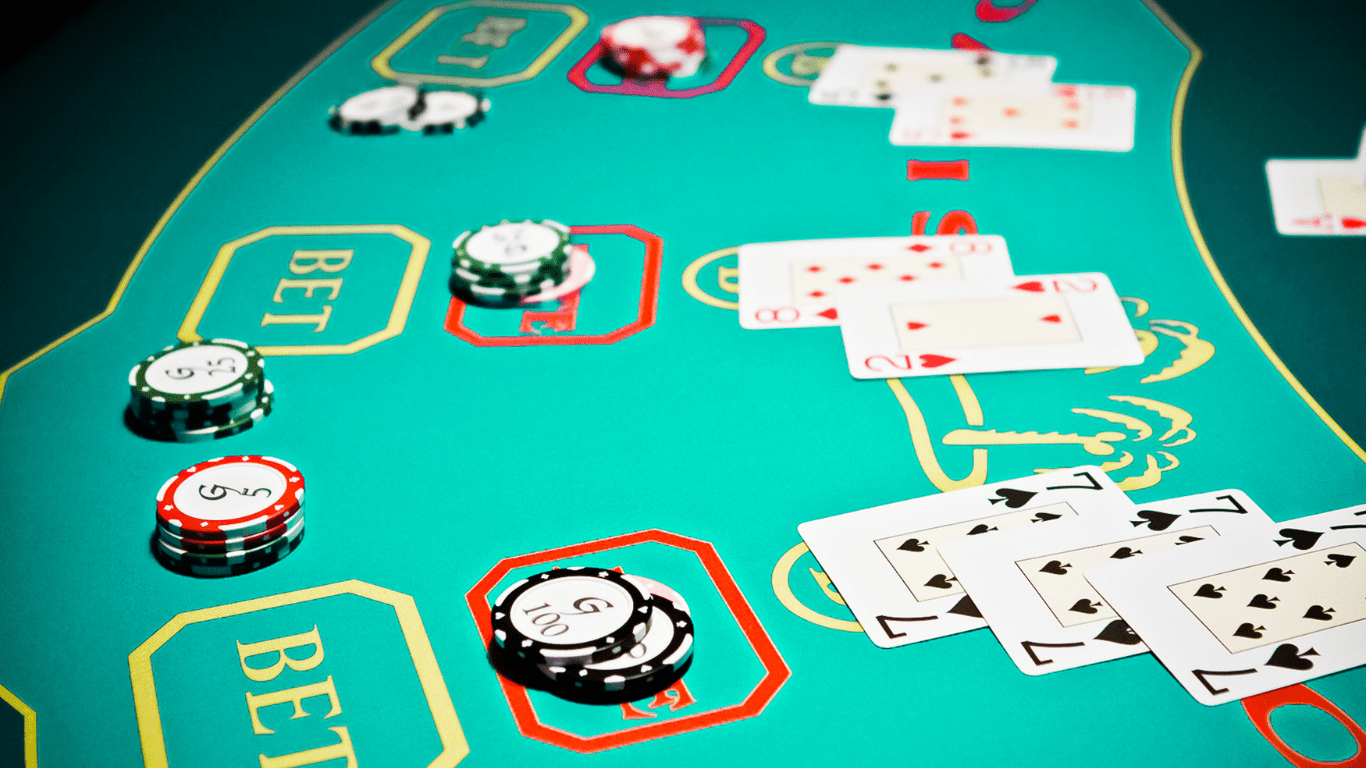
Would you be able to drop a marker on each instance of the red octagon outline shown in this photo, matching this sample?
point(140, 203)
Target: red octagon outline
point(578, 74)
point(776, 671)
point(645, 313)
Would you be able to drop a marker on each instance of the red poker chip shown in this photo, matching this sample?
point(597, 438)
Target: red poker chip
point(230, 498)
point(656, 46)
point(221, 546)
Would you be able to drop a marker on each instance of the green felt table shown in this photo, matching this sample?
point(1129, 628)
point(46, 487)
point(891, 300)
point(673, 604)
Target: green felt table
point(450, 450)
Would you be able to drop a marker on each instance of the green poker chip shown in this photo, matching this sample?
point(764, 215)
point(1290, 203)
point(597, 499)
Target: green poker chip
point(510, 248)
point(205, 374)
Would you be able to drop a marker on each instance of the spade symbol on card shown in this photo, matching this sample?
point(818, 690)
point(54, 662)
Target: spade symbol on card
point(1340, 560)
point(981, 528)
point(1209, 590)
point(1013, 498)
point(1318, 613)
point(1056, 566)
point(966, 607)
point(1300, 539)
point(913, 545)
point(1119, 631)
point(1085, 606)
point(1247, 630)
point(1124, 553)
point(1262, 601)
point(1289, 656)
point(939, 581)
point(1043, 517)
point(1156, 521)
point(1187, 540)
point(1276, 574)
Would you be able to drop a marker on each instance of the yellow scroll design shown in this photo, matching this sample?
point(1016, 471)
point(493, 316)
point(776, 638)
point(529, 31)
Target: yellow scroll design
point(782, 587)
point(924, 446)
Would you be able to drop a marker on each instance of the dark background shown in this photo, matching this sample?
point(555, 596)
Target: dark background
point(114, 104)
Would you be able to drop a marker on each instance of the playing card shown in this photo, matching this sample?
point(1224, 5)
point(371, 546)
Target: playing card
point(1027, 322)
point(1070, 117)
point(864, 76)
point(792, 284)
point(1028, 583)
point(1242, 615)
point(1319, 197)
point(885, 562)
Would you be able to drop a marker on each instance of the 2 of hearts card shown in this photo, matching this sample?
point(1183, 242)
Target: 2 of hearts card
point(1319, 197)
point(793, 284)
point(1028, 322)
point(865, 76)
point(885, 560)
point(1246, 614)
point(1069, 116)
point(1029, 586)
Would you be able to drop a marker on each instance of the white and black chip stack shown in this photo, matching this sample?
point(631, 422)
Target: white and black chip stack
point(592, 634)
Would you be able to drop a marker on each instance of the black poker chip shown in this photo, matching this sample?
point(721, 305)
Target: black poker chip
point(571, 616)
point(659, 656)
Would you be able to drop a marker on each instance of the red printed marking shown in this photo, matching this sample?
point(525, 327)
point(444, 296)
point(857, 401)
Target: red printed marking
point(918, 222)
point(1351, 222)
point(914, 326)
point(829, 314)
point(1033, 286)
point(951, 170)
point(957, 223)
point(991, 13)
point(964, 43)
point(953, 223)
point(564, 318)
point(1051, 319)
point(1260, 707)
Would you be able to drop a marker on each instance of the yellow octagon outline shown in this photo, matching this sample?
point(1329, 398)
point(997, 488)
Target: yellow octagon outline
point(577, 21)
point(148, 710)
point(30, 725)
point(398, 316)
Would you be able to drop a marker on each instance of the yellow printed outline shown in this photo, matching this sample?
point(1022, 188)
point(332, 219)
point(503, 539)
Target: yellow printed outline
point(398, 315)
point(148, 711)
point(30, 726)
point(782, 573)
point(923, 445)
point(771, 62)
point(1179, 175)
point(690, 279)
point(199, 175)
point(578, 20)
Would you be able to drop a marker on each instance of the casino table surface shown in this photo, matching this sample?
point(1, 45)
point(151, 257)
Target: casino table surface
point(161, 179)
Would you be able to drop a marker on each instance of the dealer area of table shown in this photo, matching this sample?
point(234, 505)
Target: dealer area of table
point(455, 441)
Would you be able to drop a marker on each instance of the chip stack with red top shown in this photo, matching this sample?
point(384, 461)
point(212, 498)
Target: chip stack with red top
point(656, 46)
point(230, 516)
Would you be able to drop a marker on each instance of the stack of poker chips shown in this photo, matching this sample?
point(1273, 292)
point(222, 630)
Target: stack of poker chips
point(229, 516)
point(592, 634)
point(385, 110)
point(655, 46)
point(199, 390)
point(501, 264)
